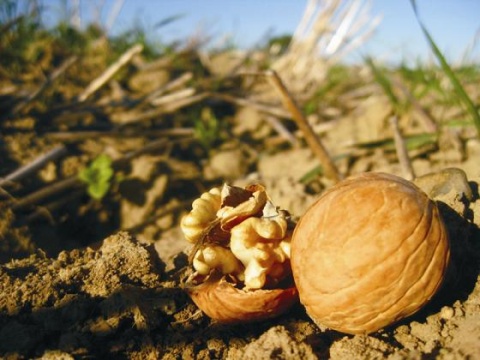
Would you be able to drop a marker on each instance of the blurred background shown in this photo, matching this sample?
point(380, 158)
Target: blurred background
point(246, 24)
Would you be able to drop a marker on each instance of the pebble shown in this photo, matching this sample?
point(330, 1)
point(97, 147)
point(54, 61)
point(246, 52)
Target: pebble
point(444, 181)
point(447, 313)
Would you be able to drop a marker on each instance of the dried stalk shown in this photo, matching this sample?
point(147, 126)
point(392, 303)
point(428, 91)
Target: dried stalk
point(277, 125)
point(38, 196)
point(172, 85)
point(274, 111)
point(401, 149)
point(148, 148)
point(82, 135)
point(135, 117)
point(35, 165)
point(50, 79)
point(110, 72)
point(312, 140)
point(172, 97)
point(329, 30)
point(178, 104)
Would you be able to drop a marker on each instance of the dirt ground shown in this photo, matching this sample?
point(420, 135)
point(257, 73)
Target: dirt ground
point(123, 298)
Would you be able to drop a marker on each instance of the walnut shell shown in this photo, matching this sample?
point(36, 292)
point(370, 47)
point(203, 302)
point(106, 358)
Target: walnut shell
point(370, 251)
point(225, 303)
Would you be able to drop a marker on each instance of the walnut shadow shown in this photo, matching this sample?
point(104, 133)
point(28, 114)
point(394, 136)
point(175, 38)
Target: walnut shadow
point(463, 270)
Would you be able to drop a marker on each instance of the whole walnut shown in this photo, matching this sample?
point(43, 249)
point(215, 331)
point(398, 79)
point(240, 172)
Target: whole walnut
point(370, 251)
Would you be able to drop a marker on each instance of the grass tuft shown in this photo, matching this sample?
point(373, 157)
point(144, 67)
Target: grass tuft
point(457, 86)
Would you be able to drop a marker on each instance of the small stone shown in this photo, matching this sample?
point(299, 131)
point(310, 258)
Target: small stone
point(447, 313)
point(445, 181)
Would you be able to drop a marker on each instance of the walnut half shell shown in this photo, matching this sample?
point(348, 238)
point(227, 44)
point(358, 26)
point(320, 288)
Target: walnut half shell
point(222, 301)
point(372, 250)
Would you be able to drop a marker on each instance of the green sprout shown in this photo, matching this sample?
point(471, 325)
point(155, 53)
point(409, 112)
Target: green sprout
point(207, 129)
point(98, 176)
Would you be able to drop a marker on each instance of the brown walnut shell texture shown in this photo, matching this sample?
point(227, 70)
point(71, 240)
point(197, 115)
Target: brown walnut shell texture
point(370, 251)
point(223, 302)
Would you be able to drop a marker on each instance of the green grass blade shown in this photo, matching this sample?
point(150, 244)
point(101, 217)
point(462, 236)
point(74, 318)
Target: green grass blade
point(168, 20)
point(385, 83)
point(412, 142)
point(462, 94)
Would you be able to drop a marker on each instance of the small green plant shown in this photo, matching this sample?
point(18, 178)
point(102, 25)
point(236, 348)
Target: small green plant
point(207, 129)
point(462, 95)
point(98, 176)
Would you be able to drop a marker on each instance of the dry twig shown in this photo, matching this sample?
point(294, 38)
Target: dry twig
point(35, 165)
point(170, 86)
point(172, 97)
point(312, 140)
point(37, 196)
point(90, 134)
point(174, 105)
point(50, 79)
point(271, 110)
point(402, 152)
point(111, 70)
point(277, 125)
